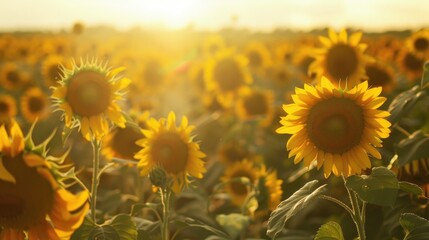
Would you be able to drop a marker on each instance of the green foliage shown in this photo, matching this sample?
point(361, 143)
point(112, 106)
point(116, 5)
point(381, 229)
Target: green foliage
point(233, 223)
point(121, 227)
point(412, 148)
point(330, 231)
point(291, 206)
point(404, 102)
point(425, 77)
point(380, 187)
point(416, 228)
point(410, 188)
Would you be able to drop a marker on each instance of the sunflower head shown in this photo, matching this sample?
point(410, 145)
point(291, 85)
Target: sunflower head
point(88, 96)
point(418, 43)
point(269, 192)
point(381, 75)
point(410, 64)
point(336, 127)
point(35, 104)
point(341, 58)
point(226, 75)
point(258, 55)
point(7, 108)
point(417, 172)
point(32, 196)
point(212, 44)
point(51, 69)
point(256, 104)
point(12, 78)
point(171, 148)
point(121, 143)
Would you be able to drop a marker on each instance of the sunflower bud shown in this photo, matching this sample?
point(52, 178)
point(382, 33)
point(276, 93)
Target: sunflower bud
point(158, 177)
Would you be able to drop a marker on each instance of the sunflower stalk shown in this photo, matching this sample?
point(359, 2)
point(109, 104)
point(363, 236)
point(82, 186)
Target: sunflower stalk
point(165, 194)
point(358, 215)
point(96, 146)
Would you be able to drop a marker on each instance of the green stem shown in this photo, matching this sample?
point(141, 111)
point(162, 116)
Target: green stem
point(95, 177)
point(334, 200)
point(165, 200)
point(358, 216)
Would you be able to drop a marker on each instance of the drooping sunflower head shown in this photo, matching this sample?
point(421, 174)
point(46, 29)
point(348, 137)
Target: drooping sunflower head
point(342, 58)
point(35, 104)
point(235, 185)
point(32, 199)
point(172, 148)
point(256, 104)
point(226, 74)
point(418, 43)
point(88, 94)
point(381, 75)
point(336, 127)
point(7, 108)
point(12, 78)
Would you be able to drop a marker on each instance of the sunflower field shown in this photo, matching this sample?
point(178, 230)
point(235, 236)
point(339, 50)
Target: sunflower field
point(220, 135)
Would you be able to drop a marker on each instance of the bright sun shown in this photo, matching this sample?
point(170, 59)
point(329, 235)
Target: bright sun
point(170, 13)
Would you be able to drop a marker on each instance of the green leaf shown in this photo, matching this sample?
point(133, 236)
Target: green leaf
point(380, 187)
point(124, 226)
point(404, 102)
point(410, 188)
point(233, 223)
point(196, 223)
point(104, 232)
point(84, 230)
point(425, 77)
point(412, 148)
point(330, 231)
point(291, 206)
point(65, 135)
point(416, 228)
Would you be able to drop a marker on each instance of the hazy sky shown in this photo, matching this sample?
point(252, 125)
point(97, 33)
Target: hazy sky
point(214, 14)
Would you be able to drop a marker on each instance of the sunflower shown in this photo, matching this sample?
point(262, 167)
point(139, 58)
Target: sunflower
point(77, 28)
point(381, 75)
point(302, 59)
point(236, 188)
point(35, 104)
point(121, 143)
point(51, 70)
point(283, 53)
point(256, 104)
point(226, 75)
point(12, 78)
point(88, 96)
point(336, 127)
point(172, 148)
point(7, 108)
point(270, 192)
point(417, 172)
point(410, 64)
point(212, 44)
point(258, 55)
point(32, 201)
point(341, 59)
point(235, 151)
point(418, 43)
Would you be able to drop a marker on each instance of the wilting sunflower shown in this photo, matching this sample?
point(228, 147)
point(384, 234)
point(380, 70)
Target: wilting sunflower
point(12, 78)
point(51, 70)
point(172, 148)
point(7, 108)
point(381, 75)
point(32, 201)
point(342, 58)
point(88, 96)
point(418, 43)
point(336, 127)
point(35, 104)
point(226, 75)
point(410, 64)
point(417, 172)
point(121, 143)
point(256, 104)
point(235, 187)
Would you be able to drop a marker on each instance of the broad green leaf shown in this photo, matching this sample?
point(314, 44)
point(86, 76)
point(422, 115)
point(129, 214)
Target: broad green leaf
point(196, 223)
point(233, 223)
point(84, 230)
point(291, 206)
point(404, 102)
point(410, 188)
point(124, 226)
point(425, 77)
point(330, 231)
point(416, 228)
point(380, 187)
point(414, 147)
point(104, 232)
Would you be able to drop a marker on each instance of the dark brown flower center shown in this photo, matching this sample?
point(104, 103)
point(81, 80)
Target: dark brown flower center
point(4, 107)
point(335, 125)
point(421, 44)
point(341, 61)
point(256, 104)
point(27, 202)
point(171, 152)
point(89, 93)
point(228, 75)
point(413, 63)
point(124, 142)
point(13, 77)
point(36, 104)
point(233, 153)
point(54, 73)
point(238, 187)
point(377, 76)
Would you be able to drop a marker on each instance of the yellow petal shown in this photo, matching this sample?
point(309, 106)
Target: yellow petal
point(5, 175)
